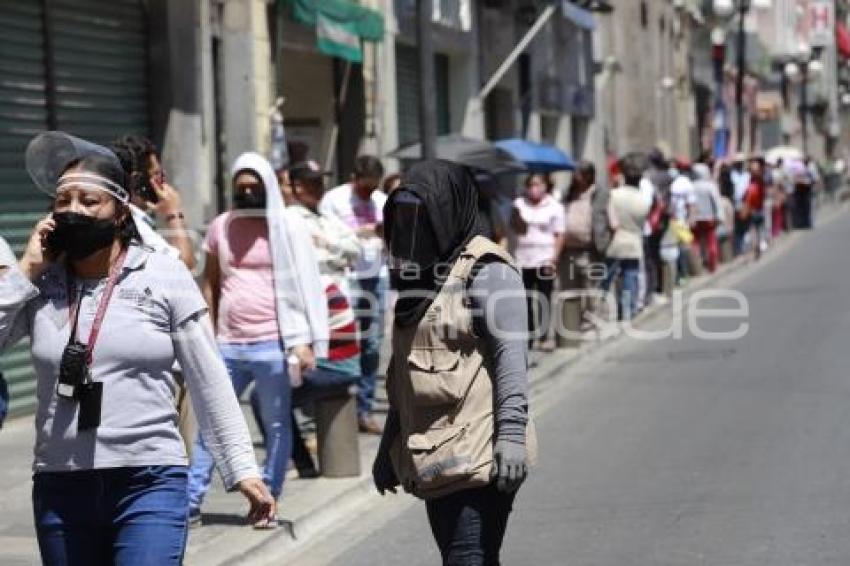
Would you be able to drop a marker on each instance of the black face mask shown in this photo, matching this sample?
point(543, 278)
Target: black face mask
point(249, 200)
point(80, 235)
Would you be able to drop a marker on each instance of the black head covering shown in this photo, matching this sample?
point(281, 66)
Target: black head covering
point(449, 193)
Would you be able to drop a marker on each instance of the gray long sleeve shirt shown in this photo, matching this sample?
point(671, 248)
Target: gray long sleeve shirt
point(500, 318)
point(156, 315)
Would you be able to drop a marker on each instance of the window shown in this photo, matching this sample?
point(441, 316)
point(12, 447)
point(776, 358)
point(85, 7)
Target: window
point(407, 88)
point(455, 14)
point(644, 14)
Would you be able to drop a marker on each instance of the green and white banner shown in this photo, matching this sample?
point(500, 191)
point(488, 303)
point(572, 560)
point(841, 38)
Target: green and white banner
point(338, 39)
point(341, 25)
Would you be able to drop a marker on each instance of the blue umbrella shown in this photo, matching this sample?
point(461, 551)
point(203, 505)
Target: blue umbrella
point(537, 157)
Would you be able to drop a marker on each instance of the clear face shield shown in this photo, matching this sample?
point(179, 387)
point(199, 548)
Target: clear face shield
point(413, 245)
point(49, 154)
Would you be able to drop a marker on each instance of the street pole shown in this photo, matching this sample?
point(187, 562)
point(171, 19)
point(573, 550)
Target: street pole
point(742, 69)
point(804, 104)
point(427, 86)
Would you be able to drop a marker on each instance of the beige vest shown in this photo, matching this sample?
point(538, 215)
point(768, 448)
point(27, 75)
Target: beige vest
point(440, 384)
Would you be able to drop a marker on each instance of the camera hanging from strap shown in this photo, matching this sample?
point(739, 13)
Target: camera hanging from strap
point(75, 382)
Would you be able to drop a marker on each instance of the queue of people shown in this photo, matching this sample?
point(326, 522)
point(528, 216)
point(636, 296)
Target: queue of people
point(660, 220)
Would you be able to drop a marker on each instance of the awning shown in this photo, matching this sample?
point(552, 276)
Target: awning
point(578, 16)
point(842, 39)
point(341, 25)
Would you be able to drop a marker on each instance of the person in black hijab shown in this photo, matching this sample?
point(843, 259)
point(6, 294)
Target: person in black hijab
point(433, 217)
point(458, 364)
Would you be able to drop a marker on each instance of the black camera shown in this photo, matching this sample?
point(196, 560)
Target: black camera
point(73, 371)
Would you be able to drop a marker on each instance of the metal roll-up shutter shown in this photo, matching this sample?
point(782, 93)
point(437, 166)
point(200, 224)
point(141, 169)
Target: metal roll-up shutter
point(100, 53)
point(99, 50)
point(23, 113)
point(407, 88)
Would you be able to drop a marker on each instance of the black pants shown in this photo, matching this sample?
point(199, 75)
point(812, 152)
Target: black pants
point(802, 208)
point(469, 525)
point(652, 265)
point(539, 283)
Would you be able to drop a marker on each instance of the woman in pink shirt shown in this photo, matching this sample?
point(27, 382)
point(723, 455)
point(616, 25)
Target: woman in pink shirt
point(260, 304)
point(540, 223)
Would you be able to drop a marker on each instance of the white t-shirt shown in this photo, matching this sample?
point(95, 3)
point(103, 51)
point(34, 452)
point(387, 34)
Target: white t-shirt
point(682, 194)
point(545, 220)
point(647, 192)
point(344, 204)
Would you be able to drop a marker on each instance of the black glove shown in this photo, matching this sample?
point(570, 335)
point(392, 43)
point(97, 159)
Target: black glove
point(383, 474)
point(510, 466)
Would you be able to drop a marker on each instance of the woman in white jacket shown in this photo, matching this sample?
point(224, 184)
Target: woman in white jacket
point(262, 284)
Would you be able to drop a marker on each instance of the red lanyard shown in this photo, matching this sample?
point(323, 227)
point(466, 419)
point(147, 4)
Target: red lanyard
point(74, 306)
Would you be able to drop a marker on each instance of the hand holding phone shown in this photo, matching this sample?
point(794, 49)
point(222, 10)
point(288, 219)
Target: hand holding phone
point(38, 254)
point(168, 199)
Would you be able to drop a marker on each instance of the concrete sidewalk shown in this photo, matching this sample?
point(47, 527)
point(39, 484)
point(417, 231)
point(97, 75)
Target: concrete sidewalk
point(307, 506)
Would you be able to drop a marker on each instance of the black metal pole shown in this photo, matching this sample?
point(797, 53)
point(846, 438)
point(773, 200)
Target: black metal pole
point(804, 106)
point(742, 70)
point(427, 87)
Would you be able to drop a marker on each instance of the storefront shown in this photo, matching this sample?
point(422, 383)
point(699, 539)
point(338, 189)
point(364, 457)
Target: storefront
point(74, 65)
point(321, 51)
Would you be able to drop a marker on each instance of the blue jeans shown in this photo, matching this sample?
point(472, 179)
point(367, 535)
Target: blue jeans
point(630, 270)
point(123, 516)
point(263, 363)
point(369, 306)
point(469, 525)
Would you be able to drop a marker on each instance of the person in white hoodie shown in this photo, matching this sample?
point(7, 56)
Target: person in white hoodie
point(262, 284)
point(706, 217)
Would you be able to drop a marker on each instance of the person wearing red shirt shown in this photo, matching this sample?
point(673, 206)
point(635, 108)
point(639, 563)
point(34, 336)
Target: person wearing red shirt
point(754, 203)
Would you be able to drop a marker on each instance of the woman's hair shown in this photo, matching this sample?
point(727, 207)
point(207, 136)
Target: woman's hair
point(633, 165)
point(389, 181)
point(106, 168)
point(587, 170)
point(547, 180)
point(724, 179)
point(368, 166)
point(134, 153)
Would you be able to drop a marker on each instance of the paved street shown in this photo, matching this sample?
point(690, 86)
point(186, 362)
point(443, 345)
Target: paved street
point(686, 452)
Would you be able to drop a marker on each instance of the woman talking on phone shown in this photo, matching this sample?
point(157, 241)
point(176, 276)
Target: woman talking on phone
point(107, 318)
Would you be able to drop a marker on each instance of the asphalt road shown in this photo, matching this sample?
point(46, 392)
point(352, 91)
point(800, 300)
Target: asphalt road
point(685, 452)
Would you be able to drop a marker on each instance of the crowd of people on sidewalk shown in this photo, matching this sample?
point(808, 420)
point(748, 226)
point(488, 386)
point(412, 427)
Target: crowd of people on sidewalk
point(659, 221)
point(296, 284)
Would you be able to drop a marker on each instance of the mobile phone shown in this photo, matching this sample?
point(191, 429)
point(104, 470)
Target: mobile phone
point(53, 244)
point(146, 190)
